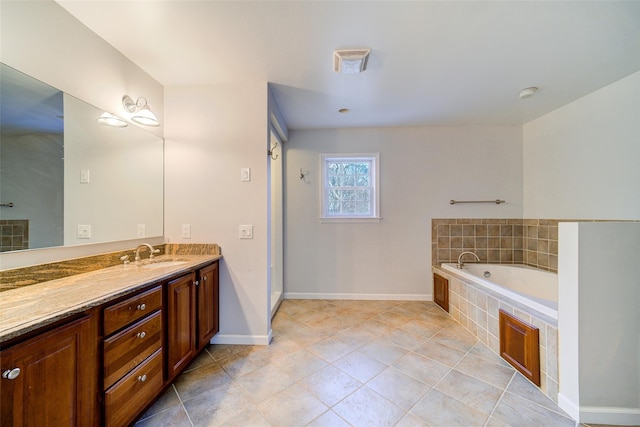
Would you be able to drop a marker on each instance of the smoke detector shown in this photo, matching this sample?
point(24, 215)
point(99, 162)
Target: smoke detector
point(350, 61)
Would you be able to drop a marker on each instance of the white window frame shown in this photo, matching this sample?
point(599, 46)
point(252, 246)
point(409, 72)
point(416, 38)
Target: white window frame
point(374, 185)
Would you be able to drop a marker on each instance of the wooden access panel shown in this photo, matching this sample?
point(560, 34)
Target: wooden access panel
point(441, 291)
point(520, 346)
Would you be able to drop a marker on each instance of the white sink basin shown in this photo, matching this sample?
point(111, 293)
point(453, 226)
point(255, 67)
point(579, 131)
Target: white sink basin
point(163, 264)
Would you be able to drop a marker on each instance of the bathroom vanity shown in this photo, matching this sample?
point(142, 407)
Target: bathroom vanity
point(99, 347)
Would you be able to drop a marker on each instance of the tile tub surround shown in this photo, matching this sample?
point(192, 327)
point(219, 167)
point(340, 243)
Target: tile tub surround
point(31, 307)
point(533, 242)
point(477, 311)
point(502, 241)
point(19, 277)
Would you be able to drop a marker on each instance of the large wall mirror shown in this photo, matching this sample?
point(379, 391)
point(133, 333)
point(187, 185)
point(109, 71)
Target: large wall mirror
point(66, 179)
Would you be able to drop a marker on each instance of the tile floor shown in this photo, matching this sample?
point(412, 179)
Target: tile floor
point(355, 363)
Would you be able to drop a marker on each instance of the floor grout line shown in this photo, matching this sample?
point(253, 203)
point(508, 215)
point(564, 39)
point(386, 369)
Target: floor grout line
point(396, 313)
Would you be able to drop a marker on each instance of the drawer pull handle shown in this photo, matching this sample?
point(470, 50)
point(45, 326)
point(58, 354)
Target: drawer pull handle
point(204, 278)
point(11, 374)
point(197, 283)
point(141, 335)
point(142, 378)
point(142, 307)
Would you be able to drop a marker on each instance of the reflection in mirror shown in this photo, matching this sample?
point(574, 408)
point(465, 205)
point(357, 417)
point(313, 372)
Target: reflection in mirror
point(31, 162)
point(113, 178)
point(77, 182)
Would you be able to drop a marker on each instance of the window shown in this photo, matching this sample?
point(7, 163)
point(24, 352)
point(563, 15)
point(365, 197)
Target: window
point(350, 189)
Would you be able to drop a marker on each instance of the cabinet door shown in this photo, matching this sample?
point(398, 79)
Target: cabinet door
point(208, 297)
point(55, 374)
point(441, 291)
point(181, 323)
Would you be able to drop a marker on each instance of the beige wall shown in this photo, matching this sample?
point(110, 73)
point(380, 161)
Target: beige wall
point(211, 133)
point(581, 160)
point(598, 318)
point(421, 169)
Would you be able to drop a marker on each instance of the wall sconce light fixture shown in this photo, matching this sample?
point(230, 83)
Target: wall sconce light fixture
point(140, 110)
point(109, 119)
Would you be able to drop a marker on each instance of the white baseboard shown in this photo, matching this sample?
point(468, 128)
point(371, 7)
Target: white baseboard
point(610, 416)
point(242, 339)
point(568, 406)
point(377, 297)
point(599, 415)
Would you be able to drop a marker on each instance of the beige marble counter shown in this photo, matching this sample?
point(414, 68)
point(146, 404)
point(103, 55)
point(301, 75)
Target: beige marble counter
point(30, 307)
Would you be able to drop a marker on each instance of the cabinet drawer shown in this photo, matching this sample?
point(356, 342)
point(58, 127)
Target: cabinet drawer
point(121, 314)
point(126, 349)
point(124, 400)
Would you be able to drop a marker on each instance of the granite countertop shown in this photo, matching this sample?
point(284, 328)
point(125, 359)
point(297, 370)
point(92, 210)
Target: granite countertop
point(27, 308)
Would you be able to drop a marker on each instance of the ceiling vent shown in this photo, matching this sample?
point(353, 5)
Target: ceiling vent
point(350, 61)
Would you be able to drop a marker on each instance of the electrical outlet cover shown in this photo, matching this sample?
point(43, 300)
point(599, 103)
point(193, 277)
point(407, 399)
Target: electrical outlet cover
point(84, 232)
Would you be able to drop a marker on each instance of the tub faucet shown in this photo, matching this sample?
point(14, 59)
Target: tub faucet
point(460, 263)
point(148, 246)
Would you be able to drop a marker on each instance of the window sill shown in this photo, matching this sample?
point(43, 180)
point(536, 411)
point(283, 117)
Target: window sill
point(327, 220)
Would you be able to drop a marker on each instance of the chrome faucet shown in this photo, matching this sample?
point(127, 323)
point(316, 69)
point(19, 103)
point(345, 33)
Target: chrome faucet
point(460, 263)
point(148, 246)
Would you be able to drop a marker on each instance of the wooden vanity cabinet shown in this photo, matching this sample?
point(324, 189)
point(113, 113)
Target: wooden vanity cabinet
point(208, 294)
point(108, 364)
point(192, 316)
point(51, 379)
point(181, 324)
point(132, 355)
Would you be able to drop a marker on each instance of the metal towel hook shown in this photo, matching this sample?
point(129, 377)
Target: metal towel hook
point(270, 152)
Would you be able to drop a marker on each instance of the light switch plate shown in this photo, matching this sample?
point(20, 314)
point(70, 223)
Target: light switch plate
point(245, 174)
point(84, 176)
point(246, 232)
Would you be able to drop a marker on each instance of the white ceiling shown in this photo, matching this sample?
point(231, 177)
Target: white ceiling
point(432, 62)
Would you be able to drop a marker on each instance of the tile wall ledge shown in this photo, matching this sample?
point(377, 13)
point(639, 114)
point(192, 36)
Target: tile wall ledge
point(25, 276)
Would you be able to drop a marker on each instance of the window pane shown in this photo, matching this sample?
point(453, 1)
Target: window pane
point(349, 207)
point(362, 195)
point(362, 168)
point(363, 207)
point(362, 180)
point(348, 181)
point(348, 195)
point(349, 187)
